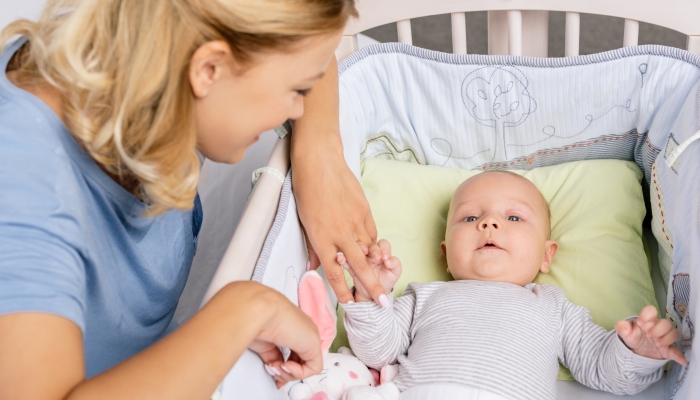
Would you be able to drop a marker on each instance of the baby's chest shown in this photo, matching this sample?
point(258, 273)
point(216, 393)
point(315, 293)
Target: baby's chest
point(475, 325)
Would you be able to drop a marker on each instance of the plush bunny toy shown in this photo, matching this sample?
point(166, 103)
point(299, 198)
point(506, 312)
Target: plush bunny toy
point(342, 370)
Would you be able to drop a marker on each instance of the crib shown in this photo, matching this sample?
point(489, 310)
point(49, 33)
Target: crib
point(269, 233)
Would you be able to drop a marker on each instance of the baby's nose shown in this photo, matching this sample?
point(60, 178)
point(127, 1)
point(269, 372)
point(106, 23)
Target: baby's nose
point(490, 224)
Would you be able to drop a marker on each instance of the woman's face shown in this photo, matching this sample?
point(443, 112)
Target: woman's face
point(234, 107)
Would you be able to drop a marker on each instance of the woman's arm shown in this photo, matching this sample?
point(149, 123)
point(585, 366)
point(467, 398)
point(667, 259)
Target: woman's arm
point(332, 206)
point(41, 355)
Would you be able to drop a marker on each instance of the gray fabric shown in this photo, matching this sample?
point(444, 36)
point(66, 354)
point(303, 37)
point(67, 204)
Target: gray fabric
point(496, 336)
point(271, 238)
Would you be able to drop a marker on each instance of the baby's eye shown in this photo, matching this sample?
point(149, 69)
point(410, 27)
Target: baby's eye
point(470, 219)
point(513, 218)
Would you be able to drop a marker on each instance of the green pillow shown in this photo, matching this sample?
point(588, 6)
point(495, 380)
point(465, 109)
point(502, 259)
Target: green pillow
point(597, 210)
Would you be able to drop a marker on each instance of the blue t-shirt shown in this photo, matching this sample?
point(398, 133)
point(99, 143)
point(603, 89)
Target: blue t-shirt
point(74, 243)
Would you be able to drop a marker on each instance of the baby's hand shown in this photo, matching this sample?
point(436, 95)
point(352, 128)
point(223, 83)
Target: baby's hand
point(386, 267)
point(650, 337)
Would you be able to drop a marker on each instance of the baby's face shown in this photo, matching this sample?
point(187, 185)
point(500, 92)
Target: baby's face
point(498, 230)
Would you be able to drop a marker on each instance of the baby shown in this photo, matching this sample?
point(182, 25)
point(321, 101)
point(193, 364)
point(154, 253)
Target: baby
point(492, 333)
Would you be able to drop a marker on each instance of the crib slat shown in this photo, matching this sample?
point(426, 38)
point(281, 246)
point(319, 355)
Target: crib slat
point(347, 46)
point(535, 33)
point(572, 35)
point(404, 29)
point(693, 44)
point(515, 33)
point(498, 32)
point(631, 37)
point(459, 33)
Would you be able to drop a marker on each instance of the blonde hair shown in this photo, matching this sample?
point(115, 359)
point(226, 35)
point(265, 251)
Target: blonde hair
point(122, 69)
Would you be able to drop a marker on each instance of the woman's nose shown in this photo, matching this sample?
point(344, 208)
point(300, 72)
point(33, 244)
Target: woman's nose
point(297, 109)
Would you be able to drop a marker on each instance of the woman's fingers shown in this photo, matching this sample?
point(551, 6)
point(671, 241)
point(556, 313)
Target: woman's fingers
point(288, 327)
point(314, 261)
point(370, 226)
point(335, 276)
point(363, 272)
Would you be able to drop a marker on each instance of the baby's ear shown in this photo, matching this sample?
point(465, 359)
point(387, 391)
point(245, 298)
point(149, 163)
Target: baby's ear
point(444, 249)
point(550, 249)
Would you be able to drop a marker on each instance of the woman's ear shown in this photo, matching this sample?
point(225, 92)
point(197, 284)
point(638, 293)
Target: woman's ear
point(209, 63)
point(550, 249)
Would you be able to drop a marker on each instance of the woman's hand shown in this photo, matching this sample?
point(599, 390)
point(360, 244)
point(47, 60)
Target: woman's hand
point(332, 206)
point(386, 267)
point(650, 337)
point(287, 326)
point(41, 355)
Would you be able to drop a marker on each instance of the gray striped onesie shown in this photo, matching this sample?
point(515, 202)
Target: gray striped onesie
point(496, 336)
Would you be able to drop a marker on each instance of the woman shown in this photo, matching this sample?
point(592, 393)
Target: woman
point(102, 106)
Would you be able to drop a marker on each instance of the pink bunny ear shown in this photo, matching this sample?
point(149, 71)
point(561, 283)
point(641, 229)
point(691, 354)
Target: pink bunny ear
point(312, 300)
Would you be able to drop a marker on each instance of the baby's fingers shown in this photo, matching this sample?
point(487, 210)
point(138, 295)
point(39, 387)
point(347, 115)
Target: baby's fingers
point(375, 254)
point(660, 328)
point(668, 339)
point(385, 247)
point(393, 264)
point(675, 354)
point(340, 258)
point(647, 317)
point(630, 333)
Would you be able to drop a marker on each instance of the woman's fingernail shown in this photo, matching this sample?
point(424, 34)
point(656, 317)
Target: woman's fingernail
point(276, 371)
point(285, 369)
point(384, 301)
point(308, 265)
point(350, 302)
point(268, 369)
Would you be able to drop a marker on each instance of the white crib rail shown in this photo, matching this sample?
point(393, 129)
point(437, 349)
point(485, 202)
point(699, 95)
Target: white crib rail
point(247, 242)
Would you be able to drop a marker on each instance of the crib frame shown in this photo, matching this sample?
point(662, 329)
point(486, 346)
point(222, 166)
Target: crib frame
point(515, 27)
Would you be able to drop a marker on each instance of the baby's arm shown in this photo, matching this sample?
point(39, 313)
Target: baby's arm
point(600, 359)
point(379, 335)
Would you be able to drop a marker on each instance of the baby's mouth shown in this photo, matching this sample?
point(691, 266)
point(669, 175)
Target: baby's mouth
point(489, 244)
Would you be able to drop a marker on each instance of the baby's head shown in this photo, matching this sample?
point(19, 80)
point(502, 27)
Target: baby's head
point(498, 230)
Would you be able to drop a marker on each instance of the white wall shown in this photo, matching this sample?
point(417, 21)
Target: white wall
point(11, 10)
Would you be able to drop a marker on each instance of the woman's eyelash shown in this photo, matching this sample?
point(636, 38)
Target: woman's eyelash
point(303, 92)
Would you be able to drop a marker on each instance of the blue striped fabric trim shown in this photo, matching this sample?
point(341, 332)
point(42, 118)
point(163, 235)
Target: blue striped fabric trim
point(480, 59)
point(286, 194)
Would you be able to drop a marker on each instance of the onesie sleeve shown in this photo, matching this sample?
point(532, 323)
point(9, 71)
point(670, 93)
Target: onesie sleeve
point(599, 359)
point(41, 266)
point(378, 335)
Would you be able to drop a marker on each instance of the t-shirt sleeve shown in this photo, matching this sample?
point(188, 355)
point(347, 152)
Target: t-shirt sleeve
point(41, 242)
